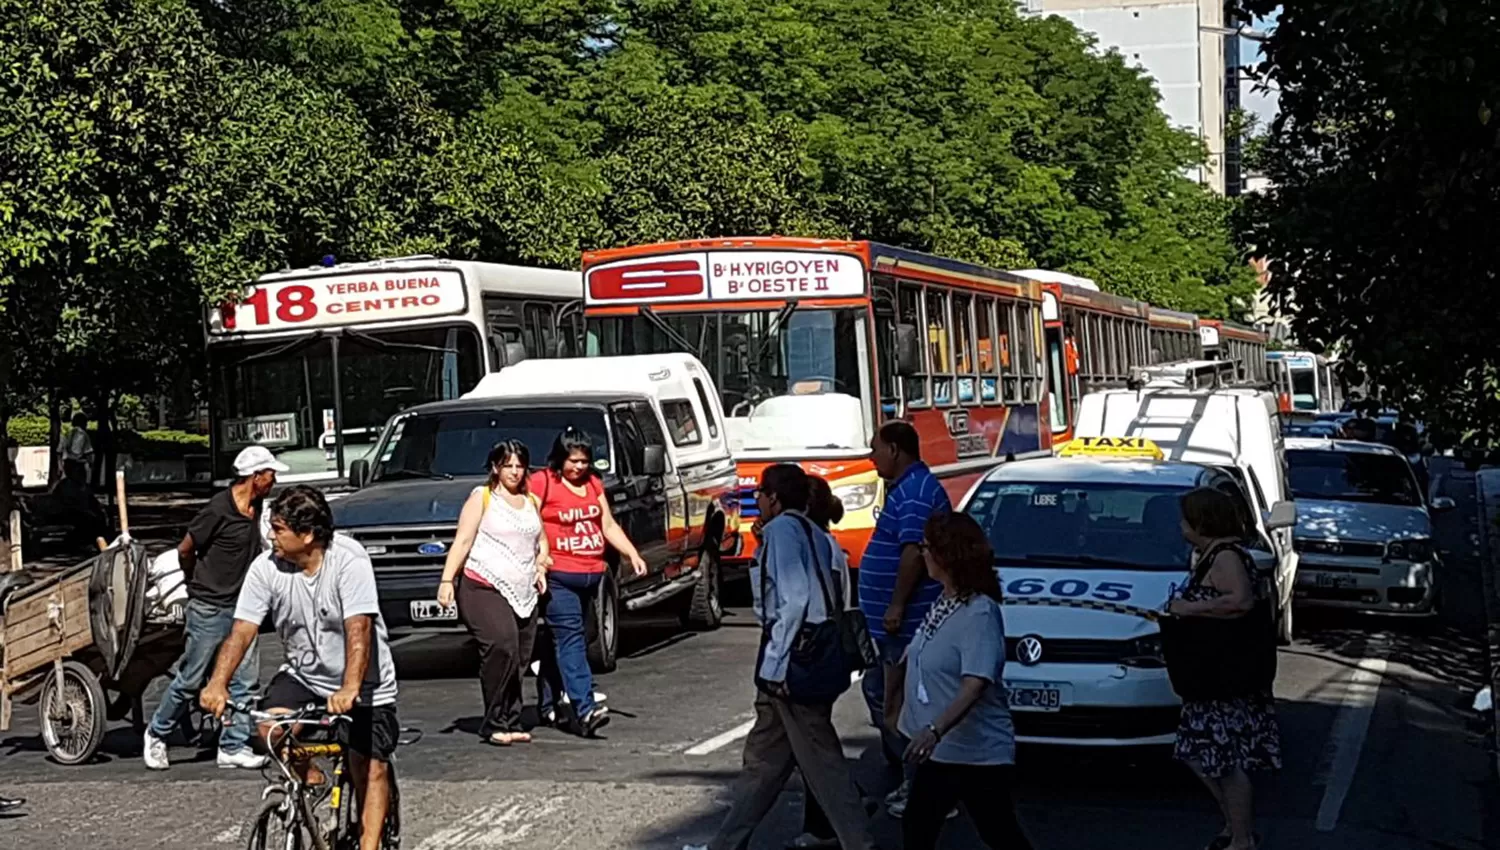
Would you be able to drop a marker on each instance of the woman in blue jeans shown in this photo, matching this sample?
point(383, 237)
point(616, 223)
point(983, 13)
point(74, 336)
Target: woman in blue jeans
point(577, 522)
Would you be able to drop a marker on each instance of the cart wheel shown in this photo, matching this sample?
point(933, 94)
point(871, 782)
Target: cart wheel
point(72, 719)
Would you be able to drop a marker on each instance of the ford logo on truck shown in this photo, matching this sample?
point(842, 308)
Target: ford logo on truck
point(432, 547)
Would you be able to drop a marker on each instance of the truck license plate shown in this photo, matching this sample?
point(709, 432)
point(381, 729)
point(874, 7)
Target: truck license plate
point(428, 610)
point(1028, 696)
point(1326, 580)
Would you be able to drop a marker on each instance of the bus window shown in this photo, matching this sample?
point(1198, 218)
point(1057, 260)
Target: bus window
point(984, 325)
point(939, 334)
point(909, 305)
point(1011, 357)
point(1026, 351)
point(963, 347)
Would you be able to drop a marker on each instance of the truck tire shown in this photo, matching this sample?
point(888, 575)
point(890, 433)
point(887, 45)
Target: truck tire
point(703, 610)
point(602, 626)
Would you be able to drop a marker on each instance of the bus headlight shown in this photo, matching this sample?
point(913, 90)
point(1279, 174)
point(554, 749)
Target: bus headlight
point(856, 497)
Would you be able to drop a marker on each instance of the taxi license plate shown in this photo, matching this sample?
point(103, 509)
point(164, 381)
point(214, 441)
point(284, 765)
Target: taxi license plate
point(1326, 580)
point(1033, 696)
point(428, 610)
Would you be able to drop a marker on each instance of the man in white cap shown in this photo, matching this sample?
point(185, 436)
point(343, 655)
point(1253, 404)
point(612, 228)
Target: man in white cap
point(215, 553)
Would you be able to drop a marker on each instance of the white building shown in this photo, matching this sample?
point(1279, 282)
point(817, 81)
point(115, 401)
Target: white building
point(1186, 46)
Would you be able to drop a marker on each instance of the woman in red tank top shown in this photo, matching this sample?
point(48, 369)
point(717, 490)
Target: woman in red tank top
point(577, 524)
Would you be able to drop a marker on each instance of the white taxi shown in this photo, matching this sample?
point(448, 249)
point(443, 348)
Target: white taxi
point(1089, 549)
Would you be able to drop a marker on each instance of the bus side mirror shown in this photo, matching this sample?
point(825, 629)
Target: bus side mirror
point(359, 473)
point(908, 350)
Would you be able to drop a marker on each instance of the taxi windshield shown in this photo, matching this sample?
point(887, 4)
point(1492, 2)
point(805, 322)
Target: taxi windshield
point(1083, 525)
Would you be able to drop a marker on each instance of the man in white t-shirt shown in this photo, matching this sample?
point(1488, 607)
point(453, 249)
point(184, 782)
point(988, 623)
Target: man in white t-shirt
point(318, 588)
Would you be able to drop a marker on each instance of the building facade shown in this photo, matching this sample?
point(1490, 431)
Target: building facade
point(1189, 48)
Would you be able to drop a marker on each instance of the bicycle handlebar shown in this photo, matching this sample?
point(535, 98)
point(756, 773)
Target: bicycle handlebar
point(313, 713)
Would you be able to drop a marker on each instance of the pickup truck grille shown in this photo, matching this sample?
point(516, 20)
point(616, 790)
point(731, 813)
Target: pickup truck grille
point(396, 548)
point(1352, 548)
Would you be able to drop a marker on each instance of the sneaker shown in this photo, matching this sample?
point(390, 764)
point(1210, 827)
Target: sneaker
point(895, 802)
point(597, 719)
point(8, 803)
point(244, 758)
point(155, 752)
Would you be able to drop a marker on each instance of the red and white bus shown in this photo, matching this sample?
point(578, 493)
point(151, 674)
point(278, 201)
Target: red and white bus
point(1246, 346)
point(814, 343)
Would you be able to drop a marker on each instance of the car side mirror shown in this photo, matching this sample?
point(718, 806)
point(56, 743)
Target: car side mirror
point(1441, 504)
point(359, 473)
point(654, 460)
point(1282, 515)
point(908, 350)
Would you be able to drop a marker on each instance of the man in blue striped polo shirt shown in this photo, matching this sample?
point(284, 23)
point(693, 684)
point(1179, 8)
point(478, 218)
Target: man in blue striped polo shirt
point(895, 591)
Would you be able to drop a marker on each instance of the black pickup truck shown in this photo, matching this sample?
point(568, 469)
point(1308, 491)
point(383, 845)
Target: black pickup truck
point(677, 502)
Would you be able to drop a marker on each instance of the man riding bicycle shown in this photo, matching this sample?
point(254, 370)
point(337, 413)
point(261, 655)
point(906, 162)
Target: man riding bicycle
point(319, 589)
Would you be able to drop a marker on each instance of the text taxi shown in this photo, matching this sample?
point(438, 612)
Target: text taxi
point(1089, 548)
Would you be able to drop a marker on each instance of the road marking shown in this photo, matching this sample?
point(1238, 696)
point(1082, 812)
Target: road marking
point(1347, 737)
point(721, 740)
point(495, 825)
point(409, 639)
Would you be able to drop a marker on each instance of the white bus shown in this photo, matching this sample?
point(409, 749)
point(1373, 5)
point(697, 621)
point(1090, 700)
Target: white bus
point(1310, 380)
point(311, 362)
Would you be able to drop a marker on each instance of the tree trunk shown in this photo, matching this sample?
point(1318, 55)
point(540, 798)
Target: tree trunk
point(54, 437)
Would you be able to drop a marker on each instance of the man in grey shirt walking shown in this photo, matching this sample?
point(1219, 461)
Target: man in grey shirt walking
point(319, 589)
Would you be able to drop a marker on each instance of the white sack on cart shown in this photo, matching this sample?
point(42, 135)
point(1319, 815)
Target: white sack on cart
point(166, 594)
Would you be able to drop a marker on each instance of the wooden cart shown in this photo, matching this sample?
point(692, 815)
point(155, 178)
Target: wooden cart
point(67, 637)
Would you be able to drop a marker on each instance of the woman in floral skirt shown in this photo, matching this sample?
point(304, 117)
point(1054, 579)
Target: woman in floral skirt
point(1226, 738)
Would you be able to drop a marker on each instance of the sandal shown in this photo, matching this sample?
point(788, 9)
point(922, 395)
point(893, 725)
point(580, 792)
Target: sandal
point(500, 739)
point(520, 737)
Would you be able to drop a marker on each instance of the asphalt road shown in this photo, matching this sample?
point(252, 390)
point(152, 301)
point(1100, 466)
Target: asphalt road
point(1377, 755)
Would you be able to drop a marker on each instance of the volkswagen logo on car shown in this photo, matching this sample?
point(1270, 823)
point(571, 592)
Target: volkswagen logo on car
point(1029, 650)
point(432, 547)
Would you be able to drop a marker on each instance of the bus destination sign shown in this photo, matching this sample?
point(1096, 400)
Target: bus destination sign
point(330, 300)
point(727, 276)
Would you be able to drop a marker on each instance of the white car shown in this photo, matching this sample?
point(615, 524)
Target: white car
point(1364, 534)
point(1088, 549)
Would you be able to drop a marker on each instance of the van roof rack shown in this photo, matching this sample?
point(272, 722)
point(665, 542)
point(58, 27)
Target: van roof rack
point(1189, 374)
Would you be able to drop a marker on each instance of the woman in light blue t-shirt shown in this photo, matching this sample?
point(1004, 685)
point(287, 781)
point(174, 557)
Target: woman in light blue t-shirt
point(950, 698)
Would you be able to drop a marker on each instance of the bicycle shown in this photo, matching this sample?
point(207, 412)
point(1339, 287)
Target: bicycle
point(288, 816)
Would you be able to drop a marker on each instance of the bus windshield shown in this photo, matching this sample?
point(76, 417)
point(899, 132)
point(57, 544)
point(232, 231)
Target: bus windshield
point(771, 366)
point(280, 394)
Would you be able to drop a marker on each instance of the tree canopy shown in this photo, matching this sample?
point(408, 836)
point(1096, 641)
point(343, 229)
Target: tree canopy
point(156, 154)
point(1382, 226)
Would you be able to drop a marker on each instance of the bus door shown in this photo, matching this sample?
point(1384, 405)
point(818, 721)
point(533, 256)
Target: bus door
point(1062, 381)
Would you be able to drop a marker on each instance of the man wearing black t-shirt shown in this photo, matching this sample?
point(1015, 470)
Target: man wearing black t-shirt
point(216, 552)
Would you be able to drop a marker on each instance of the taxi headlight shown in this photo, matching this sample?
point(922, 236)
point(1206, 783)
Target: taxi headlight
point(1417, 549)
point(856, 497)
point(1145, 653)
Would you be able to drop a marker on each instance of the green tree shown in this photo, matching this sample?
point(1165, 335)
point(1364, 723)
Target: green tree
point(1382, 226)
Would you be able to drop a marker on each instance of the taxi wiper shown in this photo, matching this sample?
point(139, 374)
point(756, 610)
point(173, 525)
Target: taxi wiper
point(1076, 560)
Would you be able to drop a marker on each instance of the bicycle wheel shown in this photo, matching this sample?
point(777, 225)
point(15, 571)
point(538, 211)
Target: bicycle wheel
point(390, 839)
point(277, 827)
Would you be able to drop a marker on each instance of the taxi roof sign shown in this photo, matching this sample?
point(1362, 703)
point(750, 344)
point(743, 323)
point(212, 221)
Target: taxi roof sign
point(1111, 447)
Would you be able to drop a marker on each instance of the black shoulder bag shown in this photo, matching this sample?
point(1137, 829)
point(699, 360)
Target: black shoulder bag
point(1209, 658)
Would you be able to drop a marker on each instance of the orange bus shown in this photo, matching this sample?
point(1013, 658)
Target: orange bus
point(1094, 339)
point(815, 343)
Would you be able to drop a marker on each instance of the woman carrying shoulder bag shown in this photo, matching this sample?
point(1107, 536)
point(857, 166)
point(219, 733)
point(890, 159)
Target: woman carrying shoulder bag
point(503, 554)
point(1220, 643)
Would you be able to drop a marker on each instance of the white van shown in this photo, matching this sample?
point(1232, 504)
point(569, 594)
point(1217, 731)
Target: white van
point(1235, 429)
